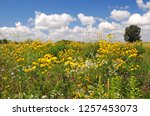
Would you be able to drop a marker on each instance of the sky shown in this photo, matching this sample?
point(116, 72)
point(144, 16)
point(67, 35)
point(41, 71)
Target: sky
point(78, 20)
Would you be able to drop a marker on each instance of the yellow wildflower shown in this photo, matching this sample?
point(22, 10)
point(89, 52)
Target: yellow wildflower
point(34, 67)
point(42, 65)
point(54, 58)
point(26, 70)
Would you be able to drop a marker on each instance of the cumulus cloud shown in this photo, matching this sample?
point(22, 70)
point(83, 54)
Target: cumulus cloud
point(21, 33)
point(76, 34)
point(140, 19)
point(86, 20)
point(143, 21)
point(142, 5)
point(115, 28)
point(119, 15)
point(53, 21)
point(106, 26)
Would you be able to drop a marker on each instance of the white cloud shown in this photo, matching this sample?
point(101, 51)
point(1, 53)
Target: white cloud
point(76, 34)
point(119, 15)
point(31, 22)
point(86, 20)
point(18, 24)
point(53, 21)
point(143, 21)
point(114, 28)
point(106, 26)
point(142, 5)
point(20, 33)
point(140, 19)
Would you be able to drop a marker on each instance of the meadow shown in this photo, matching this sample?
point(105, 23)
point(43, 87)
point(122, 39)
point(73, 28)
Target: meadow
point(74, 70)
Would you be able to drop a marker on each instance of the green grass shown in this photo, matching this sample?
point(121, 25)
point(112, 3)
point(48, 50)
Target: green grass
point(145, 72)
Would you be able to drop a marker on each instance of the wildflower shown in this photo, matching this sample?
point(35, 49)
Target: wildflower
point(4, 78)
point(12, 73)
point(42, 65)
point(3, 69)
point(34, 63)
point(132, 69)
point(48, 61)
point(66, 63)
point(54, 58)
point(20, 59)
point(33, 68)
point(132, 55)
point(69, 58)
point(44, 96)
point(47, 56)
point(26, 70)
point(44, 72)
point(109, 36)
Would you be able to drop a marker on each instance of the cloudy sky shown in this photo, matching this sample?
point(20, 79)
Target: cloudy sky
point(80, 20)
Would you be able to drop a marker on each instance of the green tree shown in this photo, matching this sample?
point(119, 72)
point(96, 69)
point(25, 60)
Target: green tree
point(132, 33)
point(5, 41)
point(1, 41)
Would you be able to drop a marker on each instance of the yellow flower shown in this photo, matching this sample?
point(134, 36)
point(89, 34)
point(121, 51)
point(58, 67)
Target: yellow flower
point(4, 78)
point(62, 60)
point(132, 55)
point(54, 58)
point(44, 72)
point(109, 36)
point(34, 63)
point(42, 65)
point(40, 60)
point(20, 59)
point(66, 63)
point(69, 58)
point(48, 60)
point(72, 64)
point(47, 56)
point(26, 70)
point(87, 79)
point(49, 67)
point(132, 69)
point(67, 70)
point(34, 67)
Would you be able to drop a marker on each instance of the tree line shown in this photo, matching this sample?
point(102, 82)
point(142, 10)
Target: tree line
point(3, 41)
point(132, 34)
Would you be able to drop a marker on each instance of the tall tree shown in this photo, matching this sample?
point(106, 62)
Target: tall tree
point(132, 33)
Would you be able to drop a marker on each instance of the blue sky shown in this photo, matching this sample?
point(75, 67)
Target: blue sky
point(93, 14)
point(12, 11)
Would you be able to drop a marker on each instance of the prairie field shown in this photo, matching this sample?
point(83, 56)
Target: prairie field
point(74, 70)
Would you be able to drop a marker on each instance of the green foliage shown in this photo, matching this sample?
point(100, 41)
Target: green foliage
point(132, 33)
point(139, 46)
point(132, 88)
point(28, 41)
point(90, 49)
point(4, 41)
point(115, 88)
point(59, 46)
